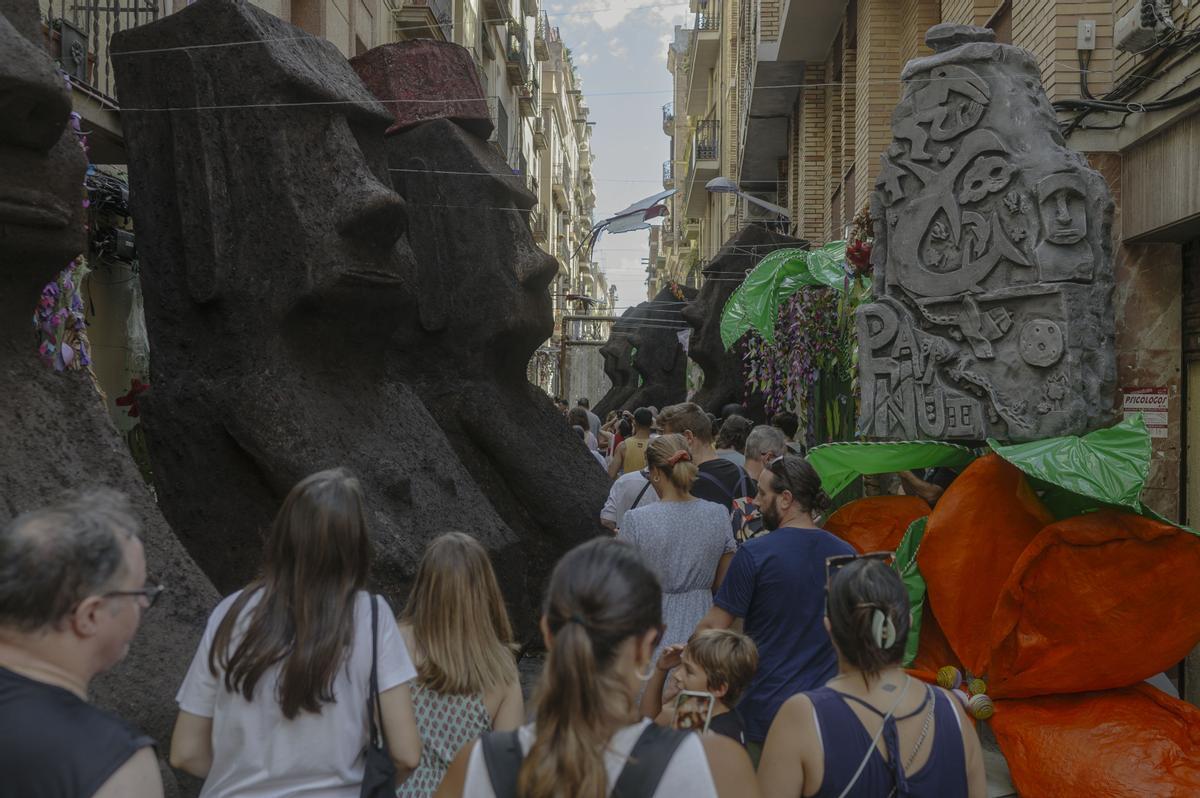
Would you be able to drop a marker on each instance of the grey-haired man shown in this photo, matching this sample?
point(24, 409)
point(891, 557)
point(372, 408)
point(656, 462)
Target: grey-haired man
point(72, 592)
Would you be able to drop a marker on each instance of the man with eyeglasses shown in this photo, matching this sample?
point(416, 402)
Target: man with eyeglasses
point(776, 585)
point(72, 592)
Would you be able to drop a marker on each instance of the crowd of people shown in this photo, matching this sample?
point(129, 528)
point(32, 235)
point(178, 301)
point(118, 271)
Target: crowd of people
point(718, 643)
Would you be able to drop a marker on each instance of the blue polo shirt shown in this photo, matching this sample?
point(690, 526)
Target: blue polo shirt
point(776, 583)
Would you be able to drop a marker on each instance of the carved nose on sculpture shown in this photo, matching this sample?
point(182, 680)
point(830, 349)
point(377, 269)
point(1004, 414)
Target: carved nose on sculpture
point(376, 218)
point(34, 104)
point(536, 271)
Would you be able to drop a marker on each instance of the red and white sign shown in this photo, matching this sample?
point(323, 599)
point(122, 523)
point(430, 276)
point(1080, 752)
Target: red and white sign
point(1153, 404)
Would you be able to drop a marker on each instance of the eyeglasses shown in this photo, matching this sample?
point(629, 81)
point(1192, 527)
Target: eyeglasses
point(150, 593)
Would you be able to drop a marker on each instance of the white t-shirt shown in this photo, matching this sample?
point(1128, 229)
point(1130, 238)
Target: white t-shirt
point(687, 774)
point(257, 753)
point(623, 493)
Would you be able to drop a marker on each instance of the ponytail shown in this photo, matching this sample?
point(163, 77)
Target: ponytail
point(670, 455)
point(600, 595)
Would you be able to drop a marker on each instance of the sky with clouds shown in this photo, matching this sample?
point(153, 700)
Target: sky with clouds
point(620, 50)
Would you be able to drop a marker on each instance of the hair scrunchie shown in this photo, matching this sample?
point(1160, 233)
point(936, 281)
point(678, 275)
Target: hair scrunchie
point(682, 454)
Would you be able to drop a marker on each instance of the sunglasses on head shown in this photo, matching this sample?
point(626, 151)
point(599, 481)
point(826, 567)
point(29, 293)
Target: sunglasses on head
point(840, 561)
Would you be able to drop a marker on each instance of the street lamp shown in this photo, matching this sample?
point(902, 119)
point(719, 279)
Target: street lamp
point(723, 185)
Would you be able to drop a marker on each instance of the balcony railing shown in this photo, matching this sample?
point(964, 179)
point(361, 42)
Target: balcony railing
point(514, 54)
point(708, 18)
point(668, 112)
point(707, 140)
point(77, 35)
point(668, 174)
point(537, 225)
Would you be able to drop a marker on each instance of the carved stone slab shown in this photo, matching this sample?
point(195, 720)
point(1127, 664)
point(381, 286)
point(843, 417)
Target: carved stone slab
point(992, 257)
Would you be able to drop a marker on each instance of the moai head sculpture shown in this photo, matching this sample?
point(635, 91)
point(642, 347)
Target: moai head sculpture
point(723, 384)
point(659, 360)
point(483, 302)
point(617, 352)
point(41, 169)
point(276, 274)
point(992, 257)
point(56, 433)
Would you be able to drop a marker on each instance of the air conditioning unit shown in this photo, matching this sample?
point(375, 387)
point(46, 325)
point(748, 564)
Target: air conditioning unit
point(1143, 26)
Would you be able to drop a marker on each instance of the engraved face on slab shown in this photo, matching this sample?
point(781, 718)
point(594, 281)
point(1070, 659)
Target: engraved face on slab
point(1062, 205)
point(41, 163)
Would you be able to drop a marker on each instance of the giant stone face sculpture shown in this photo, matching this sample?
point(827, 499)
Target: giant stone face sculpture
point(992, 257)
point(56, 434)
point(482, 309)
point(659, 362)
point(723, 383)
point(276, 278)
point(617, 352)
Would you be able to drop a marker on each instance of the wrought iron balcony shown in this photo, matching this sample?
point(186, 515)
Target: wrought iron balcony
point(708, 18)
point(668, 113)
point(668, 174)
point(707, 140)
point(515, 60)
point(78, 35)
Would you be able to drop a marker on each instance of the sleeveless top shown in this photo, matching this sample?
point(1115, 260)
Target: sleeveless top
point(635, 454)
point(845, 741)
point(687, 774)
point(446, 723)
point(53, 744)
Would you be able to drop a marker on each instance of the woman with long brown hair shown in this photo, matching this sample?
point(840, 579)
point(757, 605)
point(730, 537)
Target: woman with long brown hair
point(275, 701)
point(457, 629)
point(600, 621)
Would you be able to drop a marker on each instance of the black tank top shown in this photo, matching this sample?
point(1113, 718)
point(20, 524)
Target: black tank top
point(55, 745)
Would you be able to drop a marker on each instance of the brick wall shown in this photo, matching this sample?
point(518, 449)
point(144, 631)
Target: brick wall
point(814, 107)
point(877, 77)
point(968, 12)
point(768, 20)
point(916, 17)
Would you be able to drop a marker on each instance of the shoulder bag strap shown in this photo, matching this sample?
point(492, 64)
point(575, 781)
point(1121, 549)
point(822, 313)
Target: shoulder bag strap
point(641, 493)
point(378, 737)
point(648, 761)
point(503, 757)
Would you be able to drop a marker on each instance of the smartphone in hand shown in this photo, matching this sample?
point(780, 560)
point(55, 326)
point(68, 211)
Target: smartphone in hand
point(693, 710)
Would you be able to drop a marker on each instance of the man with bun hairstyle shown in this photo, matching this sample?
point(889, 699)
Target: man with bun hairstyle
point(776, 585)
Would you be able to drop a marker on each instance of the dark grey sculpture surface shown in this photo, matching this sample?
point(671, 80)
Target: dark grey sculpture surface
point(617, 353)
point(992, 259)
point(277, 279)
point(56, 434)
point(482, 310)
point(723, 382)
point(659, 362)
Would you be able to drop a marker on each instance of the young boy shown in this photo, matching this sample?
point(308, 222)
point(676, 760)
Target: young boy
point(717, 661)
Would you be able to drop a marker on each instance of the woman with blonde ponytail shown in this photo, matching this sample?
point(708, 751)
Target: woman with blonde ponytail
point(687, 541)
point(601, 620)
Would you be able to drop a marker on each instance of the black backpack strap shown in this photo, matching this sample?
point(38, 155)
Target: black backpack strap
point(648, 761)
point(503, 756)
point(641, 493)
point(710, 478)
